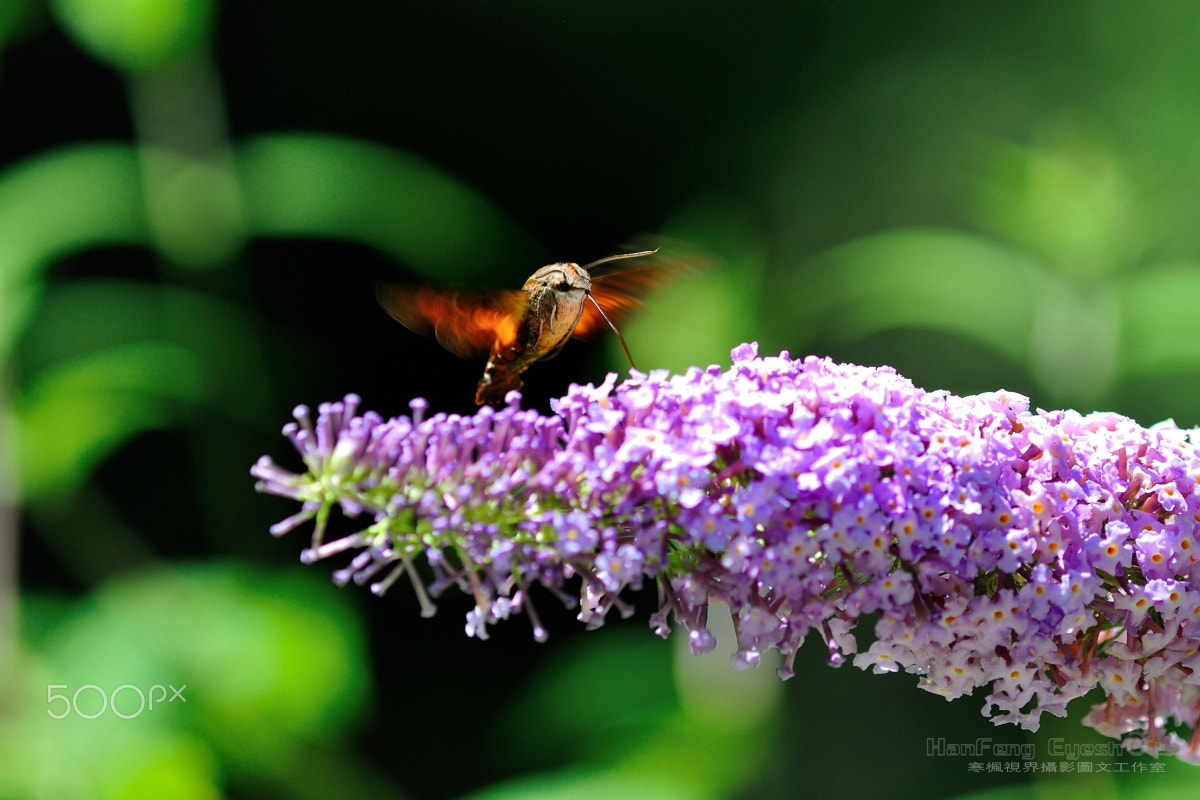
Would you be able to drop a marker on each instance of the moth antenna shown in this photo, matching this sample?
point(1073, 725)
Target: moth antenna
point(618, 257)
point(620, 338)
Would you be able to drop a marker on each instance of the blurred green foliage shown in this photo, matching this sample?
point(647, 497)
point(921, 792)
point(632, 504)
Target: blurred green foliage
point(689, 732)
point(137, 35)
point(981, 196)
point(321, 185)
point(1060, 286)
point(266, 664)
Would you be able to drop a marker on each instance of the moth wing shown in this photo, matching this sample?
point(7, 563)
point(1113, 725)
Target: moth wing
point(468, 324)
point(617, 283)
point(616, 294)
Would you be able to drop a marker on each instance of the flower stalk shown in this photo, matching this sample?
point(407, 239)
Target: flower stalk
point(1041, 554)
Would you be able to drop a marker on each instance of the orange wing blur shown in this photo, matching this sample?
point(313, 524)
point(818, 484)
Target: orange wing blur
point(468, 324)
point(617, 285)
point(616, 294)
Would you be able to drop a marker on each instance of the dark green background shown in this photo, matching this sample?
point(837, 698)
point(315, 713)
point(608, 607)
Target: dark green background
point(982, 195)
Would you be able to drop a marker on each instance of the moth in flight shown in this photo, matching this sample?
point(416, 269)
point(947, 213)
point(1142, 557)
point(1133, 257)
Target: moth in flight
point(515, 328)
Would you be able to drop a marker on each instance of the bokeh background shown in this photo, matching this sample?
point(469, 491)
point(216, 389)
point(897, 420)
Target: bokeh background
point(196, 198)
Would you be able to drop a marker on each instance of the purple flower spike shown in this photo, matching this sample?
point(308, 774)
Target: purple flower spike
point(1041, 554)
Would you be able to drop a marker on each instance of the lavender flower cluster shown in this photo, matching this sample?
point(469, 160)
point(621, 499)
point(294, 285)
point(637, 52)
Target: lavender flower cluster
point(1043, 554)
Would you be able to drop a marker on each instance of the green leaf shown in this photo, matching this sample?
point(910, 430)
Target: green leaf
point(1161, 328)
point(136, 35)
point(315, 185)
point(1067, 198)
point(57, 203)
point(82, 317)
point(269, 667)
point(70, 416)
point(921, 278)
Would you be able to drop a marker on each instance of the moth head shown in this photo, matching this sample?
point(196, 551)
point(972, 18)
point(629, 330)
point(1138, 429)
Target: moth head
point(563, 278)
